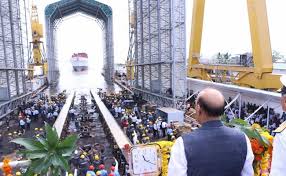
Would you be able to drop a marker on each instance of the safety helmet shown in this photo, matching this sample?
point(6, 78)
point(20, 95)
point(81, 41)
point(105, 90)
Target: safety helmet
point(82, 156)
point(36, 129)
point(101, 166)
point(41, 129)
point(91, 167)
point(88, 174)
point(84, 153)
point(98, 173)
point(9, 134)
point(15, 132)
point(111, 174)
point(70, 174)
point(18, 173)
point(38, 135)
point(112, 168)
point(96, 157)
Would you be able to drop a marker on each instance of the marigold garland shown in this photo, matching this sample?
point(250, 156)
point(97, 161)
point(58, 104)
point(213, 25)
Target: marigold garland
point(165, 153)
point(263, 154)
point(7, 169)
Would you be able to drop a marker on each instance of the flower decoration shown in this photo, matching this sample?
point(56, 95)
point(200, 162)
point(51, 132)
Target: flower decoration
point(261, 144)
point(7, 169)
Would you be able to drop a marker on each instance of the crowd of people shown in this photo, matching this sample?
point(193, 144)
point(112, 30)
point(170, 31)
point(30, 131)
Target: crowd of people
point(90, 164)
point(260, 117)
point(140, 126)
point(247, 108)
point(91, 157)
point(28, 119)
point(43, 109)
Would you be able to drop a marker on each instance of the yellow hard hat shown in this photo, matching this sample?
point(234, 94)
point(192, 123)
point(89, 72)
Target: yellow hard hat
point(36, 129)
point(82, 156)
point(70, 175)
point(88, 174)
point(41, 129)
point(96, 157)
point(84, 153)
point(98, 173)
point(18, 173)
point(15, 132)
point(38, 135)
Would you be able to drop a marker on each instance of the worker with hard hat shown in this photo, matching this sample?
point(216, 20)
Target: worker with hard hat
point(98, 173)
point(278, 167)
point(96, 161)
point(114, 171)
point(102, 170)
point(83, 164)
point(90, 171)
point(18, 173)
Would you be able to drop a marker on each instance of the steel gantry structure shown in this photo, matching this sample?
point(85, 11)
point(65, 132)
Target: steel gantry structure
point(160, 50)
point(57, 11)
point(259, 76)
point(13, 53)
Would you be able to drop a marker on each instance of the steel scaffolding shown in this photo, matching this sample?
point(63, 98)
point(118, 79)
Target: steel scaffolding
point(56, 12)
point(160, 50)
point(13, 34)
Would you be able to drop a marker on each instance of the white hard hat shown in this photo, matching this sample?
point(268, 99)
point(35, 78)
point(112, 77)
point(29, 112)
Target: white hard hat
point(283, 79)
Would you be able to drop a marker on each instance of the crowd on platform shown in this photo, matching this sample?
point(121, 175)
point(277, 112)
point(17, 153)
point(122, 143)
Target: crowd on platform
point(260, 117)
point(140, 126)
point(247, 108)
point(43, 109)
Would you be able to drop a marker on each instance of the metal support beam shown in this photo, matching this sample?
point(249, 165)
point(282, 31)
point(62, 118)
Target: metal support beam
point(260, 38)
point(251, 115)
point(13, 33)
point(230, 103)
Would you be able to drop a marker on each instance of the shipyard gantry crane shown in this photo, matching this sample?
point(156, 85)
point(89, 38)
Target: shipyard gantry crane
point(37, 56)
point(260, 75)
point(131, 51)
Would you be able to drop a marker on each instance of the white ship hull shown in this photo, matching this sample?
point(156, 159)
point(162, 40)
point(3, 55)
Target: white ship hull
point(79, 62)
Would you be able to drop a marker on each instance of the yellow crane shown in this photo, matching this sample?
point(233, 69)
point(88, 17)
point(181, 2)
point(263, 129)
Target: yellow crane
point(260, 75)
point(37, 56)
point(130, 68)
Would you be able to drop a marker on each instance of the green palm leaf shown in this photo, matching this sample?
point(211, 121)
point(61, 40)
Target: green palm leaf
point(29, 144)
point(48, 154)
point(52, 136)
point(68, 141)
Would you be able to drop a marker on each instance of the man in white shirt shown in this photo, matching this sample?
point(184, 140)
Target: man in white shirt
point(278, 167)
point(164, 127)
point(213, 149)
point(22, 124)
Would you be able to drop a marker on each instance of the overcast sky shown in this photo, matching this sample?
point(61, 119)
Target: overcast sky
point(226, 29)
